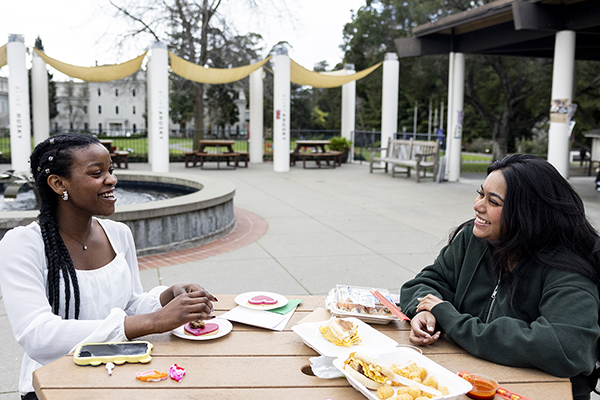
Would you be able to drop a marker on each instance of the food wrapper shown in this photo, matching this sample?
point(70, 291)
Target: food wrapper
point(359, 302)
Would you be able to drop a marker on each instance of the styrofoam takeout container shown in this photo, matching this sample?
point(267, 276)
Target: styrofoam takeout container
point(455, 384)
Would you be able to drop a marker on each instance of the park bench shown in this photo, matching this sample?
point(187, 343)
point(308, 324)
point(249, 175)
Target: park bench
point(418, 154)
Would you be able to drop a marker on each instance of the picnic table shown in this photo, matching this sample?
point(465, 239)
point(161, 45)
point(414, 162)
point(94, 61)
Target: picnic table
point(118, 157)
point(318, 154)
point(217, 150)
point(253, 363)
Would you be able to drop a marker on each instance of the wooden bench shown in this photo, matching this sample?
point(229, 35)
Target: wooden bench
point(120, 157)
point(230, 158)
point(418, 154)
point(330, 159)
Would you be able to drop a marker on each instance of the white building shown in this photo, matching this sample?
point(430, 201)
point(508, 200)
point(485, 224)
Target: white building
point(109, 108)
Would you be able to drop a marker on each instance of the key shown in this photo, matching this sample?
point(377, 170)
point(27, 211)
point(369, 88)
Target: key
point(109, 368)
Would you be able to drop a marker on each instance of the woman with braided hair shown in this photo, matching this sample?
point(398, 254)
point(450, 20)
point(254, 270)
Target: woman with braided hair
point(71, 278)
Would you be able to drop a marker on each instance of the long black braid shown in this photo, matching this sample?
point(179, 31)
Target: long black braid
point(55, 156)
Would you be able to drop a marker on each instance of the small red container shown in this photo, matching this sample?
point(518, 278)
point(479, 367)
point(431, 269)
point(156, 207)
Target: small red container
point(484, 387)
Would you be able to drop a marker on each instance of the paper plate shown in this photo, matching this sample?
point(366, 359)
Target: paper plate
point(224, 328)
point(242, 300)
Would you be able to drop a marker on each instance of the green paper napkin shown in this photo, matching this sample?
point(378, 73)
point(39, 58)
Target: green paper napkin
point(291, 305)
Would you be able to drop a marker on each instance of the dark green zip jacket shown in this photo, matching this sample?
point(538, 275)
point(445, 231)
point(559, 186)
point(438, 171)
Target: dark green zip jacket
point(552, 324)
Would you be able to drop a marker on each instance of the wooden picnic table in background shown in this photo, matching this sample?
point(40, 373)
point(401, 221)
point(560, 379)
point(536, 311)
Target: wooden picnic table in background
point(318, 154)
point(223, 151)
point(251, 363)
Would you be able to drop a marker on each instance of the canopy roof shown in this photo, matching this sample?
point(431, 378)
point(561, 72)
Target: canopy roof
point(510, 28)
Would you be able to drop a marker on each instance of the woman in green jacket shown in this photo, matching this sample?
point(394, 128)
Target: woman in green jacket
point(517, 285)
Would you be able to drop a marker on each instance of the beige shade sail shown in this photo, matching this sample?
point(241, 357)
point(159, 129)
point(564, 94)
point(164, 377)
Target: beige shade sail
point(103, 73)
point(302, 76)
point(198, 73)
point(3, 60)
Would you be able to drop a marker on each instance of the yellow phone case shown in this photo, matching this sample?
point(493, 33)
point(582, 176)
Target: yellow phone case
point(115, 352)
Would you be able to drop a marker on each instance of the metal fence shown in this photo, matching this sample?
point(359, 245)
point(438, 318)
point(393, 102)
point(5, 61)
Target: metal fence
point(182, 141)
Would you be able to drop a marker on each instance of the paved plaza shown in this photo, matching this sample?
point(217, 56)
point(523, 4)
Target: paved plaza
point(324, 227)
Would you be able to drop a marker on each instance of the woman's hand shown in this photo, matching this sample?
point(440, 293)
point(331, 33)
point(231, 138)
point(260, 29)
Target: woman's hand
point(428, 302)
point(422, 329)
point(181, 304)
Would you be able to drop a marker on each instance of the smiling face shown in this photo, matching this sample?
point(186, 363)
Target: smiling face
point(91, 184)
point(488, 207)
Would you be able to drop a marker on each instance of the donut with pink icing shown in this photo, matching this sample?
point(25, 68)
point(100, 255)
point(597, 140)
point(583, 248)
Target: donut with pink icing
point(207, 329)
point(262, 300)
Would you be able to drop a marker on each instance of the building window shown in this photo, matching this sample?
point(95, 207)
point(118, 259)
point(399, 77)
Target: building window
point(85, 109)
point(71, 125)
point(99, 109)
point(134, 128)
point(133, 92)
point(100, 128)
point(99, 92)
point(86, 126)
point(133, 110)
point(117, 110)
point(116, 92)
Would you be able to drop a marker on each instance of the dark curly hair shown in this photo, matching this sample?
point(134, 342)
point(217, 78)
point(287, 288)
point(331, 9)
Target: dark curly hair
point(55, 156)
point(542, 214)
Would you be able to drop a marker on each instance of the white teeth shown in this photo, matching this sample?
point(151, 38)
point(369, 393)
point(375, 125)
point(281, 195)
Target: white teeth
point(108, 195)
point(481, 221)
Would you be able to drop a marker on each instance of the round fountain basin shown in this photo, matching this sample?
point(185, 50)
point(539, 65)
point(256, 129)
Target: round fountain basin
point(164, 225)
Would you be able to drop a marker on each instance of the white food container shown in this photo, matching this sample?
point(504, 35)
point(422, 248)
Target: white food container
point(455, 384)
point(362, 296)
point(371, 339)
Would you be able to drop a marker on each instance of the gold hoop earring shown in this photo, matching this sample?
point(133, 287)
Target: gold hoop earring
point(65, 195)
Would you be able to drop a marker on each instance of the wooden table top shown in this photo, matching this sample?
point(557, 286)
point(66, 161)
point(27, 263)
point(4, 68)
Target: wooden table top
point(252, 363)
point(216, 142)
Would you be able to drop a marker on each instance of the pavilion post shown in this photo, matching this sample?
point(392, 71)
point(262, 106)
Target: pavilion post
point(349, 109)
point(256, 131)
point(39, 99)
point(455, 117)
point(389, 98)
point(281, 112)
point(158, 108)
point(562, 95)
point(18, 103)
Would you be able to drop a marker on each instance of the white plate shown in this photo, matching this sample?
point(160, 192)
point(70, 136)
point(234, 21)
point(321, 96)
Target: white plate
point(456, 385)
point(242, 300)
point(371, 339)
point(224, 328)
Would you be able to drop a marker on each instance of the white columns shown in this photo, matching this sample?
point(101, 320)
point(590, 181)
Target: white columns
point(349, 109)
point(562, 89)
point(281, 112)
point(39, 100)
point(18, 103)
point(456, 97)
point(389, 98)
point(158, 108)
point(256, 131)
point(450, 113)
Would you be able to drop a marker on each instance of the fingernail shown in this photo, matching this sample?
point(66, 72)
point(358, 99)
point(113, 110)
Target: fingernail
point(213, 316)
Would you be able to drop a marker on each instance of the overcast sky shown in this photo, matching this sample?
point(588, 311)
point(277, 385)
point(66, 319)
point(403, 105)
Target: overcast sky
point(83, 32)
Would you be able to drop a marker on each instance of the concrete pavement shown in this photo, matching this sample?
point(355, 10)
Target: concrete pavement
point(325, 227)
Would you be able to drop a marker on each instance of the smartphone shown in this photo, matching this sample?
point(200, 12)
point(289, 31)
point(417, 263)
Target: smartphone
point(115, 352)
